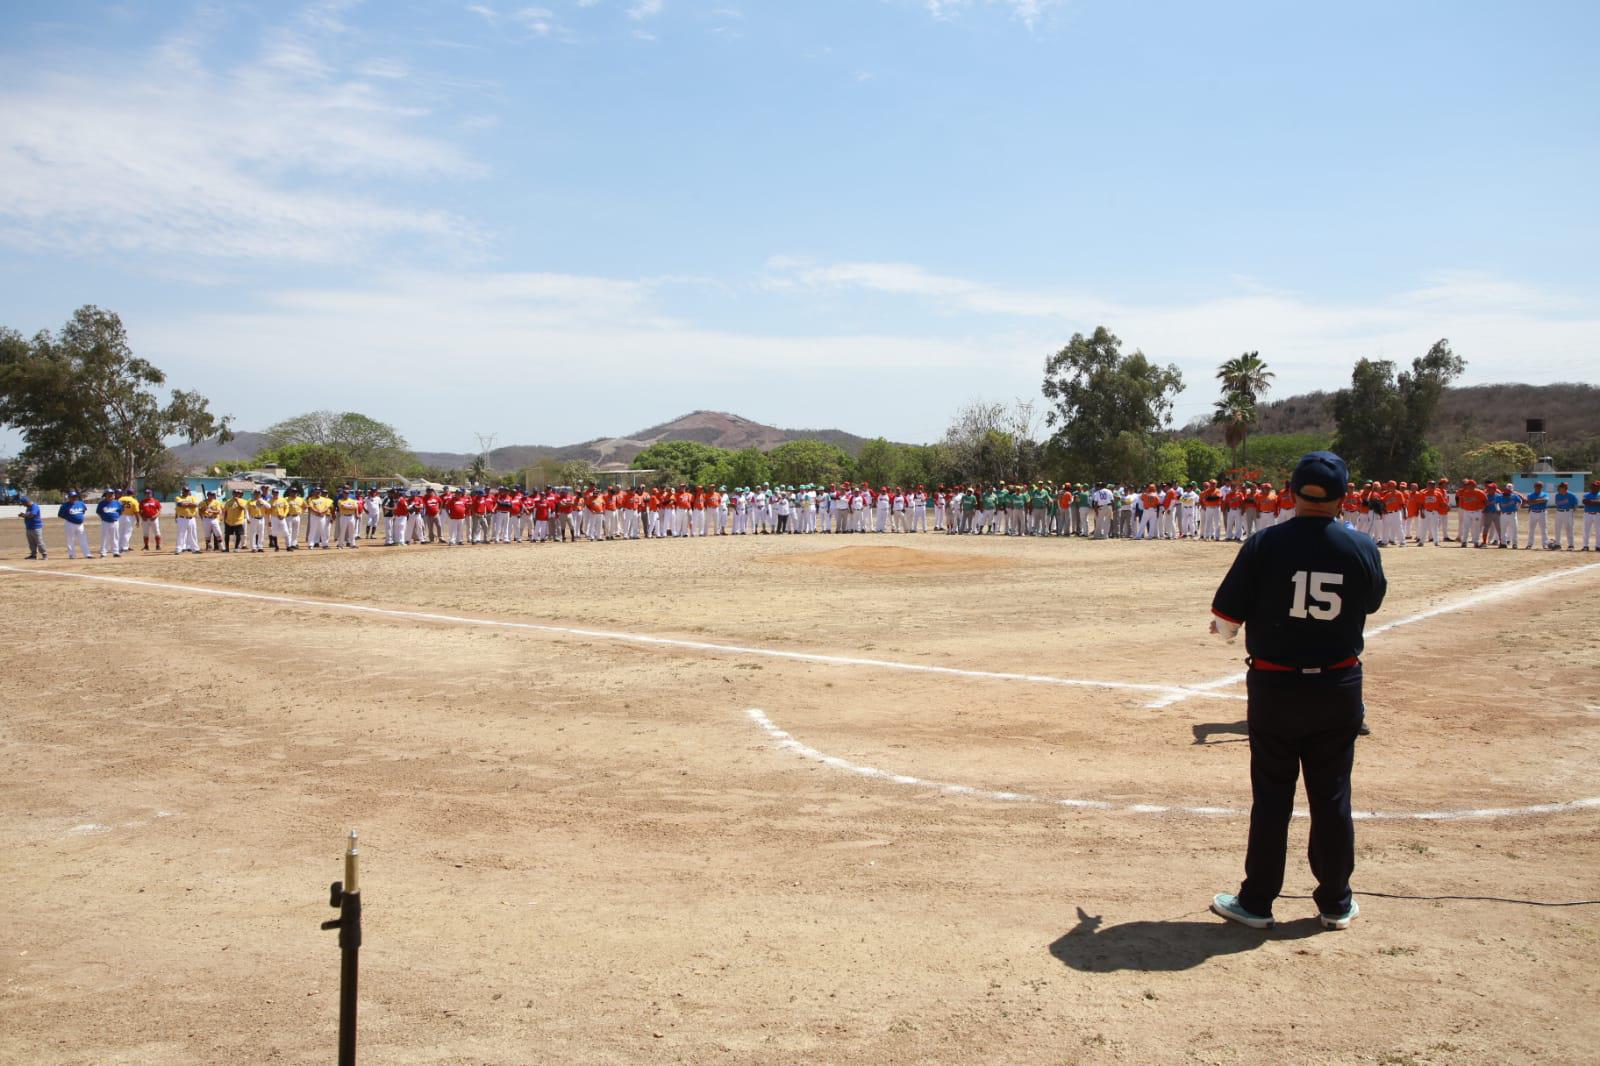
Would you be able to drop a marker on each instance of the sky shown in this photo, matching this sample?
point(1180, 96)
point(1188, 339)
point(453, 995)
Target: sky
point(558, 221)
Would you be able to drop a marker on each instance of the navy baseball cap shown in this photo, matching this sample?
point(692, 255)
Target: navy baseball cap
point(1320, 470)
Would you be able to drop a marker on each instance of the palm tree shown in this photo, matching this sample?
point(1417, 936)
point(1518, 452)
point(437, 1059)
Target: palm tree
point(1236, 415)
point(1244, 379)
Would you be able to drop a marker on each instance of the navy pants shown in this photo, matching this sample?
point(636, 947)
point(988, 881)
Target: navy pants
point(1301, 722)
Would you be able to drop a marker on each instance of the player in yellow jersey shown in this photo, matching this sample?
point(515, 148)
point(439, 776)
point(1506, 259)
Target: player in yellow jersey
point(280, 521)
point(260, 509)
point(319, 509)
point(348, 510)
point(187, 508)
point(296, 505)
point(130, 516)
point(234, 512)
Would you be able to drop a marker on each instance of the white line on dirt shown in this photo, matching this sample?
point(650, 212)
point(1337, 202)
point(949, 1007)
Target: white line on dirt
point(1477, 597)
point(787, 742)
point(1176, 691)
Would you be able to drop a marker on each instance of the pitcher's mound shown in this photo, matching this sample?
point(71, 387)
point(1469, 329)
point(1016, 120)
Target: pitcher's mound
point(885, 560)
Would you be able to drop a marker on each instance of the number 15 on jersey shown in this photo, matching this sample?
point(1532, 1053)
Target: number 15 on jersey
point(1324, 604)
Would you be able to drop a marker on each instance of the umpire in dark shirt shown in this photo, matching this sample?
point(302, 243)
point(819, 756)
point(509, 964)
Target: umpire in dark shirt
point(1302, 590)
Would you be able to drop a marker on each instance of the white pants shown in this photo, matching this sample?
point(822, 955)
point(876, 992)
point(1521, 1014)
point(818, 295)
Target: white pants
point(1563, 528)
point(1537, 530)
point(291, 527)
point(1149, 523)
point(110, 538)
point(1591, 528)
point(317, 531)
point(151, 527)
point(397, 529)
point(1471, 525)
point(77, 540)
point(1508, 528)
point(213, 530)
point(126, 522)
point(346, 536)
point(257, 529)
point(1211, 524)
point(280, 530)
point(188, 534)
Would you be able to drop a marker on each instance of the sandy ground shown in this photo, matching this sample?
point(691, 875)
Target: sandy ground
point(580, 849)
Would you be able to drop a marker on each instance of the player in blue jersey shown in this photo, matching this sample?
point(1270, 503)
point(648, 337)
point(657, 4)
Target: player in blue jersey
point(110, 511)
point(1591, 516)
point(1302, 591)
point(1566, 508)
point(33, 525)
point(1537, 503)
point(72, 512)
point(1507, 502)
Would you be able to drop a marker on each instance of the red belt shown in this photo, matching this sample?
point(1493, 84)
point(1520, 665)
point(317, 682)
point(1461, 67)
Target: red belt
point(1343, 664)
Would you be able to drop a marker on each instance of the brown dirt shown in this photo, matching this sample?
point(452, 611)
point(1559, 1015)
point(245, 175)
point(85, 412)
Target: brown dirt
point(580, 850)
point(891, 560)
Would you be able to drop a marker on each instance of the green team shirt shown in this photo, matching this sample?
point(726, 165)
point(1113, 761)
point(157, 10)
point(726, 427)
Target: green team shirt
point(969, 502)
point(988, 501)
point(1043, 501)
point(1080, 498)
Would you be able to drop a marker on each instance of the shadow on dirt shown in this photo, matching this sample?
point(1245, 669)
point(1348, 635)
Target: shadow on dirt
point(1204, 731)
point(1163, 946)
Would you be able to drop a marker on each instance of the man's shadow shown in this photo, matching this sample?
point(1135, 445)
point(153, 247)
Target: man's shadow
point(1163, 946)
point(1203, 731)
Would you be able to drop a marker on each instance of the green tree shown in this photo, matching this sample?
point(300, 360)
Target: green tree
point(86, 406)
point(749, 467)
point(1201, 461)
point(574, 472)
point(686, 461)
point(372, 447)
point(879, 462)
point(1275, 455)
point(810, 462)
point(1245, 378)
point(1383, 419)
point(990, 443)
point(1236, 413)
point(1099, 397)
point(1496, 460)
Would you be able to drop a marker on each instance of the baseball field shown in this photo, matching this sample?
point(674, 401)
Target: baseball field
point(861, 799)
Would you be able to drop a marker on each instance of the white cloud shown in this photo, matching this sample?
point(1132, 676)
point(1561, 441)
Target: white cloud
point(644, 9)
point(168, 155)
point(1028, 12)
point(1507, 331)
point(542, 357)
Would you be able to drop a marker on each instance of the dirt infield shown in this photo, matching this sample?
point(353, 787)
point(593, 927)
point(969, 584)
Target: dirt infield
point(582, 847)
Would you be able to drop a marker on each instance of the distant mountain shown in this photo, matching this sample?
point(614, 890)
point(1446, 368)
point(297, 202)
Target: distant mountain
point(242, 446)
point(1571, 413)
point(707, 427)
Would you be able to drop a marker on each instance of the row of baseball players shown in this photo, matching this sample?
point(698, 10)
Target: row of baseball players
point(1393, 513)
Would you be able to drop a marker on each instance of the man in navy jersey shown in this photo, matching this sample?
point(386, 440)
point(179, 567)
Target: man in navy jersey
point(1302, 590)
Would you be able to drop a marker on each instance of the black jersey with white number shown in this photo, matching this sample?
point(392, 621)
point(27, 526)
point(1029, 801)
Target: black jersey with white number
point(1303, 590)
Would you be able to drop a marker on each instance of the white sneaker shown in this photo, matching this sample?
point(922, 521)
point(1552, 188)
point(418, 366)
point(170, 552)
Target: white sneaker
point(1340, 921)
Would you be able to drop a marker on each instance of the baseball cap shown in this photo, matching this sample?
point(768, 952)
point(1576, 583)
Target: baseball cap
point(1320, 470)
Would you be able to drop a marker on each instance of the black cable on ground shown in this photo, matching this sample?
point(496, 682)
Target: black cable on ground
point(1476, 899)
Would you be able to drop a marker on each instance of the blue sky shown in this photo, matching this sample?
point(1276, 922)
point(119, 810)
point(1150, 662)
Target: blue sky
point(576, 218)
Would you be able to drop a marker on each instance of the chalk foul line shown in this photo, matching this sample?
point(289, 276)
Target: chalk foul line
point(787, 742)
point(1479, 596)
point(1177, 691)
